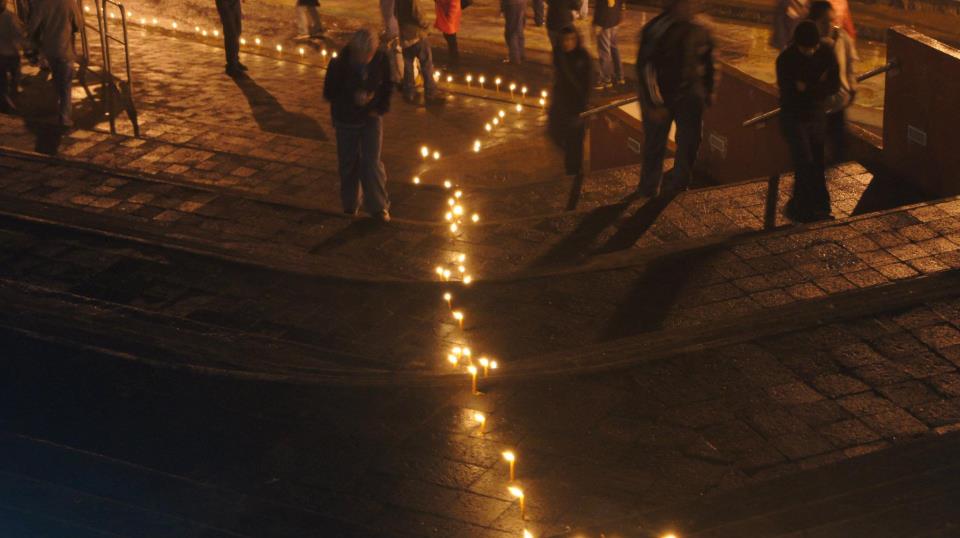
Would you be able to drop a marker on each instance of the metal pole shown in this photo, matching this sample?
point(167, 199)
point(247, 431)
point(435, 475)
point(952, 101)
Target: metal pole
point(106, 71)
point(131, 109)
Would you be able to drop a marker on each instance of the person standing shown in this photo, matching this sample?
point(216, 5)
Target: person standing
point(676, 72)
point(844, 49)
point(571, 94)
point(807, 75)
point(448, 22)
point(514, 19)
point(308, 19)
point(391, 38)
point(358, 87)
point(607, 15)
point(414, 29)
point(52, 28)
point(786, 16)
point(559, 16)
point(11, 39)
point(231, 18)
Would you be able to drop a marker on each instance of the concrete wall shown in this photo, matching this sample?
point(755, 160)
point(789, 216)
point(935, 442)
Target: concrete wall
point(921, 135)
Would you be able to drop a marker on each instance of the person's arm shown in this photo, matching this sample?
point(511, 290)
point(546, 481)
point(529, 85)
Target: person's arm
point(333, 82)
point(382, 104)
point(786, 80)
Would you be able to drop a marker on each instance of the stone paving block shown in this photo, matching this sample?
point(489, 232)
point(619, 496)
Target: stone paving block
point(836, 385)
point(794, 394)
point(894, 423)
point(938, 413)
point(866, 404)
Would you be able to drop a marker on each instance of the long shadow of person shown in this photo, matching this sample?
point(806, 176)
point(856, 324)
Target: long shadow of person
point(633, 228)
point(273, 118)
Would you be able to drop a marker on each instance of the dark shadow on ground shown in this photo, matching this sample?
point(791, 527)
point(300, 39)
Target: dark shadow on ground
point(37, 104)
point(656, 290)
point(579, 242)
point(633, 228)
point(356, 230)
point(273, 118)
point(886, 191)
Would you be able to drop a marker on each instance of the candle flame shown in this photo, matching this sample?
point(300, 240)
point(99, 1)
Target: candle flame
point(457, 194)
point(515, 491)
point(462, 258)
point(467, 352)
point(436, 155)
point(485, 362)
point(467, 280)
point(452, 359)
point(416, 180)
point(509, 455)
point(494, 365)
point(447, 184)
point(501, 113)
point(472, 369)
point(475, 218)
point(424, 151)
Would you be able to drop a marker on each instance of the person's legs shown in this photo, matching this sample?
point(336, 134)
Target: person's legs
point(655, 133)
point(372, 172)
point(554, 38)
point(315, 26)
point(62, 70)
point(795, 135)
point(348, 164)
point(425, 57)
point(303, 21)
point(409, 85)
point(539, 12)
point(573, 148)
point(615, 55)
point(603, 55)
point(819, 195)
point(514, 18)
point(7, 83)
point(230, 19)
point(453, 50)
point(837, 135)
point(689, 114)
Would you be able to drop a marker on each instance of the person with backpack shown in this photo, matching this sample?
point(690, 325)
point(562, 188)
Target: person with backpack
point(676, 72)
point(807, 76)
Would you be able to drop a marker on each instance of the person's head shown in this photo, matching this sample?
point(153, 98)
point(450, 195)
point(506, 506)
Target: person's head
point(807, 38)
point(822, 14)
point(685, 9)
point(363, 45)
point(569, 39)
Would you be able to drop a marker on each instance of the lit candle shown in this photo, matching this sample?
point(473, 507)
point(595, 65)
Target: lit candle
point(448, 297)
point(481, 80)
point(513, 87)
point(451, 202)
point(436, 155)
point(462, 258)
point(301, 51)
point(469, 80)
point(449, 78)
point(523, 90)
point(482, 419)
point(488, 127)
point(216, 33)
point(543, 102)
point(196, 29)
point(174, 25)
point(497, 81)
point(457, 194)
point(472, 370)
point(154, 20)
point(436, 75)
point(476, 146)
point(543, 94)
point(447, 184)
point(454, 228)
point(333, 55)
point(496, 121)
point(446, 272)
point(467, 279)
point(257, 41)
point(416, 180)
point(204, 33)
point(527, 534)
point(279, 47)
point(512, 461)
point(457, 350)
point(501, 114)
point(467, 352)
point(475, 218)
point(485, 364)
point(518, 493)
point(458, 210)
point(494, 365)
point(86, 8)
point(439, 271)
point(424, 151)
point(448, 217)
point(243, 41)
point(452, 359)
point(519, 107)
point(462, 269)
point(323, 53)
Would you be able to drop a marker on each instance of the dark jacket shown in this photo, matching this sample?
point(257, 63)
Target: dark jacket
point(680, 56)
point(344, 79)
point(571, 89)
point(314, 3)
point(560, 13)
point(607, 16)
point(806, 82)
point(414, 25)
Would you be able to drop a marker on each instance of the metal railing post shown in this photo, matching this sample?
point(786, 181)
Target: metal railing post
point(106, 72)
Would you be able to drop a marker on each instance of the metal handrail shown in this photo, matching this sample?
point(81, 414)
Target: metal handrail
point(615, 104)
point(762, 118)
point(112, 86)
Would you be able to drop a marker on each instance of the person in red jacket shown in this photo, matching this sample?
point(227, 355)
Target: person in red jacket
point(448, 22)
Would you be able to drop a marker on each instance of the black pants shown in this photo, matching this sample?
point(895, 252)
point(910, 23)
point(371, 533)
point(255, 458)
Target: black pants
point(453, 50)
point(9, 77)
point(232, 21)
point(806, 138)
point(837, 135)
point(567, 132)
point(688, 113)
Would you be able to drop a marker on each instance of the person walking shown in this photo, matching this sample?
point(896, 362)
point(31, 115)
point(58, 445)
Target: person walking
point(607, 15)
point(807, 75)
point(448, 22)
point(308, 19)
point(677, 77)
point(786, 16)
point(52, 28)
point(844, 49)
point(559, 16)
point(514, 19)
point(358, 87)
point(11, 39)
point(414, 29)
point(231, 18)
point(571, 94)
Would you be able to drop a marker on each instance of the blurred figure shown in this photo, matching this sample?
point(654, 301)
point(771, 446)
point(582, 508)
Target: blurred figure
point(12, 38)
point(677, 77)
point(52, 28)
point(514, 19)
point(358, 87)
point(414, 29)
point(607, 15)
point(231, 18)
point(539, 10)
point(391, 38)
point(571, 93)
point(786, 16)
point(841, 43)
point(448, 22)
point(559, 16)
point(807, 75)
point(308, 18)
point(844, 19)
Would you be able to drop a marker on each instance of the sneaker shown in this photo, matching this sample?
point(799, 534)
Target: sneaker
point(383, 216)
